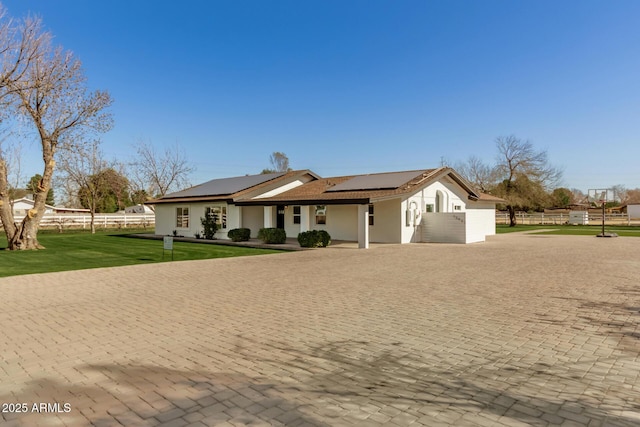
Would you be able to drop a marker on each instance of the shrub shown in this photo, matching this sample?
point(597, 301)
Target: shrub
point(272, 235)
point(325, 238)
point(209, 227)
point(239, 234)
point(314, 239)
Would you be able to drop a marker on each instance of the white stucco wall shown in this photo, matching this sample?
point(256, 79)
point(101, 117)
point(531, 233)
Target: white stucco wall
point(342, 222)
point(444, 227)
point(451, 195)
point(290, 228)
point(166, 217)
point(470, 226)
point(387, 219)
point(481, 219)
point(253, 219)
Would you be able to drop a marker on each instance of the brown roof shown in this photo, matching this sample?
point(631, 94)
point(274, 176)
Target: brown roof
point(349, 189)
point(320, 191)
point(229, 189)
point(484, 197)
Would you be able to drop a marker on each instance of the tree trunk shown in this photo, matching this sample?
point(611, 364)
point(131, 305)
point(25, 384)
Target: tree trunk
point(24, 236)
point(512, 215)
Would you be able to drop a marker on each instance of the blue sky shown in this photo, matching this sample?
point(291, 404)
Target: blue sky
point(348, 87)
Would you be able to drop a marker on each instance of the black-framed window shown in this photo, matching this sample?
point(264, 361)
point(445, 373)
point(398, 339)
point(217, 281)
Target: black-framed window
point(370, 214)
point(296, 214)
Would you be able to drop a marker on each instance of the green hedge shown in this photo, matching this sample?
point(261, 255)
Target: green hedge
point(314, 239)
point(239, 234)
point(272, 235)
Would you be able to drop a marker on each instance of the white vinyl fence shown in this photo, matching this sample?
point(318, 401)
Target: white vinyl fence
point(63, 221)
point(540, 218)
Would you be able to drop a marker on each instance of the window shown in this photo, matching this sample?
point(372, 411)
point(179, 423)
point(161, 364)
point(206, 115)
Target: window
point(321, 214)
point(457, 208)
point(429, 208)
point(182, 217)
point(219, 213)
point(370, 214)
point(296, 214)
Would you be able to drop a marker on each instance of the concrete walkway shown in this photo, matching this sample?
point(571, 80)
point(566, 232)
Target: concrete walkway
point(520, 330)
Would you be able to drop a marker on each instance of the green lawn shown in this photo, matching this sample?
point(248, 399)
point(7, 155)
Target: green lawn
point(77, 251)
point(572, 230)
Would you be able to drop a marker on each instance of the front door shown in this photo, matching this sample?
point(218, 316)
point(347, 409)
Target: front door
point(280, 216)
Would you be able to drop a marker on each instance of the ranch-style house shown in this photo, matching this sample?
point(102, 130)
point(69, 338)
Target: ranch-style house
point(429, 205)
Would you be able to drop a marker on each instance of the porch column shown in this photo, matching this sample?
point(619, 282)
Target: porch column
point(268, 216)
point(234, 216)
point(363, 226)
point(305, 218)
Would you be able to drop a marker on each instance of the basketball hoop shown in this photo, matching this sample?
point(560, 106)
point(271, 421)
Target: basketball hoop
point(600, 197)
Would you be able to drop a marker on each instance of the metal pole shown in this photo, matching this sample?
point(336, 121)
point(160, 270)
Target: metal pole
point(603, 204)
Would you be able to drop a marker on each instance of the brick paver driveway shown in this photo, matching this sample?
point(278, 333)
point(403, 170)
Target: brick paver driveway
point(520, 330)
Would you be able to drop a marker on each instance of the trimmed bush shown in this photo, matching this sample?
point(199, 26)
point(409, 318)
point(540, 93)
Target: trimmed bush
point(314, 239)
point(209, 227)
point(239, 234)
point(325, 238)
point(272, 235)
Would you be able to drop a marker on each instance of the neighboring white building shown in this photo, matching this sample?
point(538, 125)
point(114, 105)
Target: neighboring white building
point(430, 205)
point(139, 209)
point(633, 211)
point(22, 206)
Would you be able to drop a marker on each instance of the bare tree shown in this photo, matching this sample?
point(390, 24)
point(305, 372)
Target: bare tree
point(578, 196)
point(633, 196)
point(279, 163)
point(480, 174)
point(620, 194)
point(79, 166)
point(12, 154)
point(522, 172)
point(20, 43)
point(156, 174)
point(51, 95)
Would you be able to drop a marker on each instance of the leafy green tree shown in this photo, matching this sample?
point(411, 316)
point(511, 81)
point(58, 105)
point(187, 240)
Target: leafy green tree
point(523, 194)
point(524, 174)
point(561, 198)
point(111, 189)
point(34, 185)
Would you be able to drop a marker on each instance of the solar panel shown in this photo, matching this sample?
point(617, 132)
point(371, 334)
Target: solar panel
point(378, 181)
point(224, 186)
